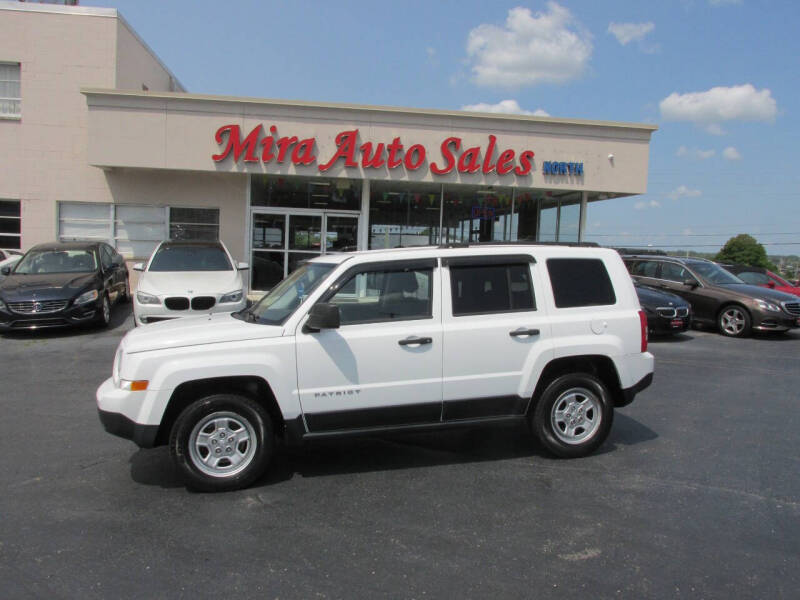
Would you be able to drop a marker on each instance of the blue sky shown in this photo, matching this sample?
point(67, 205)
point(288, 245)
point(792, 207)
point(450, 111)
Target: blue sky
point(721, 79)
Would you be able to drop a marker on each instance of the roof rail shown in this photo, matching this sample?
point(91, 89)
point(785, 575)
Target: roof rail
point(519, 243)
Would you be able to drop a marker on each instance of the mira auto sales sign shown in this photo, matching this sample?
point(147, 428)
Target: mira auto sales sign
point(266, 146)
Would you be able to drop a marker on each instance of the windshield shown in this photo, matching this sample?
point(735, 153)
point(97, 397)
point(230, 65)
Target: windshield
point(57, 261)
point(190, 258)
point(284, 298)
point(714, 273)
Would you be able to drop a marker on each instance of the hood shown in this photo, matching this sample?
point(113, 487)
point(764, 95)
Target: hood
point(756, 291)
point(193, 331)
point(179, 283)
point(51, 286)
point(655, 298)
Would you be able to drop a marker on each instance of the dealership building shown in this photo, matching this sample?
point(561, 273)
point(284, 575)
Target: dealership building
point(100, 141)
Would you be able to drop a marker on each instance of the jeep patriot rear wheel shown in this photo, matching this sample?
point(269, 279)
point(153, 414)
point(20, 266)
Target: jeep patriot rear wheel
point(573, 416)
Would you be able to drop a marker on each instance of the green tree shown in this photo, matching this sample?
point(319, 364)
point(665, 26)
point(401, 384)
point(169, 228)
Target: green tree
point(744, 249)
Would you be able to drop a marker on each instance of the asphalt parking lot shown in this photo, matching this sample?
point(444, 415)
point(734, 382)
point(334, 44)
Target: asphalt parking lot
point(696, 494)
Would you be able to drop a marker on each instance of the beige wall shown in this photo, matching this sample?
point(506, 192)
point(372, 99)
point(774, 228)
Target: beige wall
point(227, 192)
point(43, 154)
point(176, 131)
point(137, 66)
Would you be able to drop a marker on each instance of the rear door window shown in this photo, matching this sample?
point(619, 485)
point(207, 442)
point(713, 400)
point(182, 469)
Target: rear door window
point(485, 289)
point(580, 282)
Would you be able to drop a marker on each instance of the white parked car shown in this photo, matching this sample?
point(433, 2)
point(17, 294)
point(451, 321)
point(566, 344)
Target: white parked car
point(389, 340)
point(9, 262)
point(183, 279)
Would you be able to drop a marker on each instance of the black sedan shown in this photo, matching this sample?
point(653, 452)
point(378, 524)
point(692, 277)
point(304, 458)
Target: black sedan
point(666, 313)
point(60, 284)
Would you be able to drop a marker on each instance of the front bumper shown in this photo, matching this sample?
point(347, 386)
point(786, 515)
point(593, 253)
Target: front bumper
point(118, 410)
point(143, 436)
point(69, 316)
point(664, 325)
point(152, 313)
point(774, 321)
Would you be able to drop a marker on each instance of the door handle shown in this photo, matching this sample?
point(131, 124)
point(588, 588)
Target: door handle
point(519, 332)
point(415, 340)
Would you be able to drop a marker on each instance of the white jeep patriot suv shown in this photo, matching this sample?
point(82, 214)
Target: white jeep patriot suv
point(409, 339)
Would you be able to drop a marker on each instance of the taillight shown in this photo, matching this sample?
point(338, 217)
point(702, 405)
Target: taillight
point(643, 322)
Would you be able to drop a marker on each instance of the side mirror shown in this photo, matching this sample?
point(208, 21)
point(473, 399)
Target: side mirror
point(771, 284)
point(6, 270)
point(691, 283)
point(242, 266)
point(323, 316)
point(138, 267)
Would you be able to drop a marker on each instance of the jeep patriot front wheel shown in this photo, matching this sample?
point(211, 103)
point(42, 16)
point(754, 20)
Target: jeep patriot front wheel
point(222, 442)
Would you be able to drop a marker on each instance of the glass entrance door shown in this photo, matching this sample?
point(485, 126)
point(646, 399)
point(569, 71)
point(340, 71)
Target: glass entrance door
point(282, 239)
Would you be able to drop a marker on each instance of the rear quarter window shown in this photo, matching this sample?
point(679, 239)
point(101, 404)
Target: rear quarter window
point(580, 282)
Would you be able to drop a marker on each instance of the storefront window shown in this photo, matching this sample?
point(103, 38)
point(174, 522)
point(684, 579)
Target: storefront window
point(569, 218)
point(403, 214)
point(526, 216)
point(305, 192)
point(548, 219)
point(477, 214)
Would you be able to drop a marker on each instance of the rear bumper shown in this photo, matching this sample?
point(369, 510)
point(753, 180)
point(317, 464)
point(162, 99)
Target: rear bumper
point(628, 394)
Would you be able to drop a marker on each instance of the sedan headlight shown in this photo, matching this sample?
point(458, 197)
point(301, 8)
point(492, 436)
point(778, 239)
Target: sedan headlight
point(231, 297)
point(147, 298)
point(767, 305)
point(3, 306)
point(85, 297)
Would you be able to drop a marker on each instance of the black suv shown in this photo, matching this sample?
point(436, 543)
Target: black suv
point(717, 297)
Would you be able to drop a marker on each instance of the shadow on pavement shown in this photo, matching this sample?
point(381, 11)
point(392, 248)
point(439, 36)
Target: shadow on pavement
point(409, 451)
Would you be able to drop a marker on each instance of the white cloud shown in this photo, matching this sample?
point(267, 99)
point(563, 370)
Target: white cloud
point(710, 108)
point(684, 192)
point(731, 153)
point(695, 153)
point(548, 47)
point(505, 107)
point(643, 204)
point(630, 32)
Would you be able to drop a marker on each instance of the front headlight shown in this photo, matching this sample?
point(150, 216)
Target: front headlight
point(767, 305)
point(147, 298)
point(85, 297)
point(232, 297)
point(3, 306)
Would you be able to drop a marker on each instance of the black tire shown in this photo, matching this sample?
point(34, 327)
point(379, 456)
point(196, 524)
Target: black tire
point(104, 314)
point(240, 417)
point(590, 426)
point(734, 321)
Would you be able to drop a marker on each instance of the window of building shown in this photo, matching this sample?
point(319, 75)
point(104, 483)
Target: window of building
point(10, 224)
point(580, 282)
point(403, 214)
point(10, 98)
point(194, 224)
point(305, 192)
point(392, 294)
point(483, 289)
point(134, 230)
